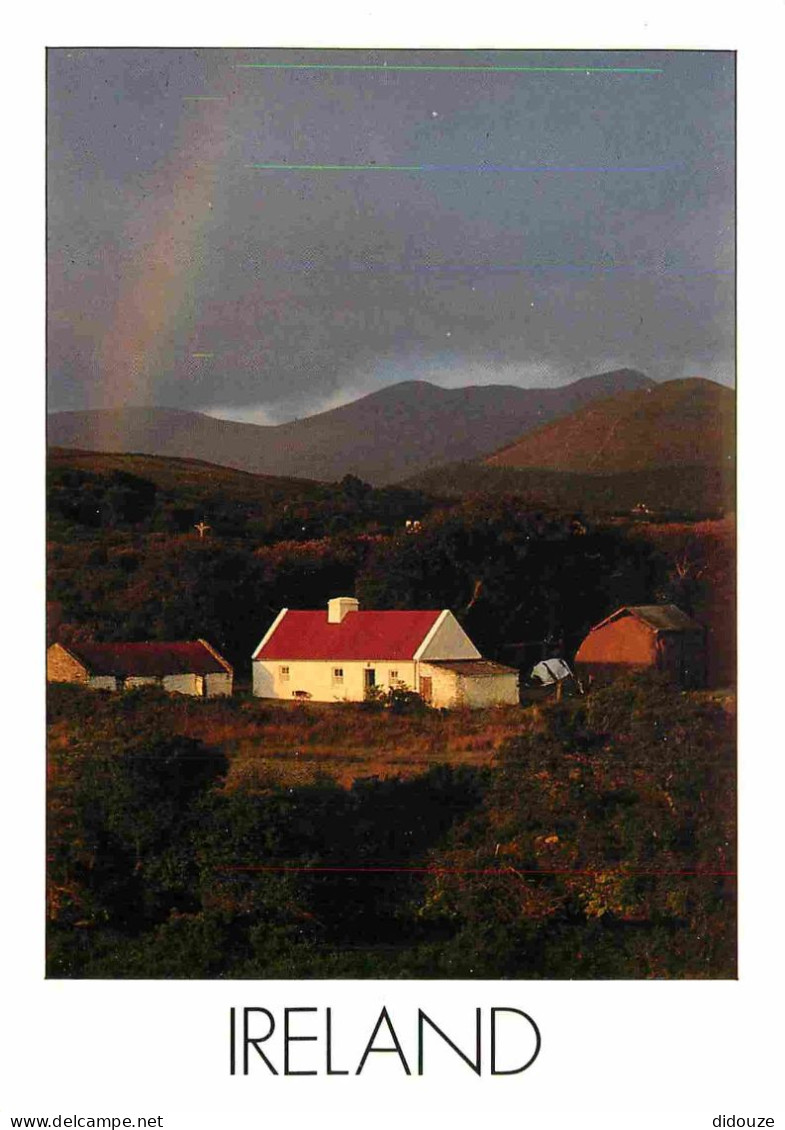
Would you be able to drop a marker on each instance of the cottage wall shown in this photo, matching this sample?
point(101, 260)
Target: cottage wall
point(494, 690)
point(180, 684)
point(444, 685)
point(315, 678)
point(218, 684)
point(102, 683)
point(62, 667)
point(453, 690)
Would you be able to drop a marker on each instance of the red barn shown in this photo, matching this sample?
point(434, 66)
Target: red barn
point(658, 637)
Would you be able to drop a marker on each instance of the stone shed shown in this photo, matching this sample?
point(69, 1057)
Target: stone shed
point(191, 667)
point(659, 637)
point(469, 682)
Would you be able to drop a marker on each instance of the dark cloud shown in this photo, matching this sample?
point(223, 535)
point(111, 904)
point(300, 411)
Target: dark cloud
point(606, 236)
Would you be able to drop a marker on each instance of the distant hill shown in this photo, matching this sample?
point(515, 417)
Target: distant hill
point(382, 438)
point(683, 423)
point(88, 492)
point(669, 446)
point(687, 491)
point(94, 494)
point(190, 479)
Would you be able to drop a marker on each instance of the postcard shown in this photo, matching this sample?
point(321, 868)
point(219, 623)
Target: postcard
point(391, 591)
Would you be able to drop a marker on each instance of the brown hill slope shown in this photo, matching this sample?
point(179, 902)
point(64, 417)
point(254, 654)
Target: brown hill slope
point(686, 491)
point(382, 438)
point(189, 478)
point(682, 423)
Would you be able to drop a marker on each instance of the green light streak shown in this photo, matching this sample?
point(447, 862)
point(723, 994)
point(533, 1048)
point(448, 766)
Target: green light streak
point(352, 168)
point(414, 67)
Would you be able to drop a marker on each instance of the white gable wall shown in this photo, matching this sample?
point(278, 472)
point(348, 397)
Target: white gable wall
point(447, 640)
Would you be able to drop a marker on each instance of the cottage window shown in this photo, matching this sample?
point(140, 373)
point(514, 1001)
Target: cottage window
point(283, 673)
point(394, 676)
point(337, 674)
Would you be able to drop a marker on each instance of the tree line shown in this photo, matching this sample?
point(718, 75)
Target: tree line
point(522, 584)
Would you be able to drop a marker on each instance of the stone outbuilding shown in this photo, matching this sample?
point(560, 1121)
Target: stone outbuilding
point(659, 637)
point(191, 667)
point(340, 654)
point(470, 682)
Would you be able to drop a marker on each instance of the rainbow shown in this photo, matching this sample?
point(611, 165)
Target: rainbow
point(158, 291)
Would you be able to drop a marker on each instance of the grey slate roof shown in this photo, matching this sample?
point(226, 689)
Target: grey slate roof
point(477, 668)
point(659, 617)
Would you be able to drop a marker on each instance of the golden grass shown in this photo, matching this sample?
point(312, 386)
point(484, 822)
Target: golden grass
point(293, 745)
point(287, 743)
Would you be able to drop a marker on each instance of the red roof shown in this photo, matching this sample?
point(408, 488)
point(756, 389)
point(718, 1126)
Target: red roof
point(360, 635)
point(186, 657)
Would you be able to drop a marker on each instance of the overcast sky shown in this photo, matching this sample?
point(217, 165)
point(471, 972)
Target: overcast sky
point(565, 222)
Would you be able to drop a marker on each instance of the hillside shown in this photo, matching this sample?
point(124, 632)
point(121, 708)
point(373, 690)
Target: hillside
point(191, 479)
point(91, 494)
point(382, 438)
point(693, 491)
point(683, 423)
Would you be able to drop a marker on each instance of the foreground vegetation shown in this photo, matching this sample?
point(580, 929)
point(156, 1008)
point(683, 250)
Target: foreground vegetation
point(589, 838)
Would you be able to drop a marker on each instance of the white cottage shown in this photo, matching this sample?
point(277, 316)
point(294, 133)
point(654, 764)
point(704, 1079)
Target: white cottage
point(186, 666)
point(338, 654)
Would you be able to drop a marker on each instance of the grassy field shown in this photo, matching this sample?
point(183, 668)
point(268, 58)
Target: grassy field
point(293, 744)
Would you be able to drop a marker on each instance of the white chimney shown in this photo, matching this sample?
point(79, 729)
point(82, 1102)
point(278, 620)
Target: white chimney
point(338, 607)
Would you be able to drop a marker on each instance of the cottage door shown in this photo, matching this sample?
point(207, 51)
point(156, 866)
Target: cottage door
point(370, 678)
point(426, 688)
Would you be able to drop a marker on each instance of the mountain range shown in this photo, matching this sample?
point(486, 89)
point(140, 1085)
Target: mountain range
point(669, 446)
point(681, 423)
point(389, 435)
